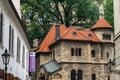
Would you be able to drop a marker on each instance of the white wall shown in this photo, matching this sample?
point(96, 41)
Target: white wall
point(9, 18)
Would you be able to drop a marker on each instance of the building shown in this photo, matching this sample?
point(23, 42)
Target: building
point(13, 38)
point(82, 54)
point(117, 35)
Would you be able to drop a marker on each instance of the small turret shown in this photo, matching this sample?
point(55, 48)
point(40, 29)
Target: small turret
point(103, 30)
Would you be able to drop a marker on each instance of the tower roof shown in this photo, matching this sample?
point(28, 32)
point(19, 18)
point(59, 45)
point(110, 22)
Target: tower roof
point(101, 23)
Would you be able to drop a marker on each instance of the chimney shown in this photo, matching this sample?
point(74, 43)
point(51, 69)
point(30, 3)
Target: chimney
point(57, 31)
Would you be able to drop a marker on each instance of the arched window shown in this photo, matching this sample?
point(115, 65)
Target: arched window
point(93, 76)
point(107, 55)
point(109, 37)
point(93, 53)
point(73, 74)
point(79, 52)
point(79, 76)
point(76, 52)
point(72, 51)
point(103, 37)
point(108, 77)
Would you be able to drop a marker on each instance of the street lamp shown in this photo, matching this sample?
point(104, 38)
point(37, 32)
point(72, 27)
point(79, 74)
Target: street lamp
point(5, 58)
point(110, 65)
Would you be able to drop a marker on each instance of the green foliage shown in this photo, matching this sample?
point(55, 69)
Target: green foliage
point(39, 15)
point(109, 12)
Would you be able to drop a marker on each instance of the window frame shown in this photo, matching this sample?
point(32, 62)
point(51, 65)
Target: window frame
point(1, 28)
point(93, 53)
point(93, 76)
point(18, 49)
point(73, 74)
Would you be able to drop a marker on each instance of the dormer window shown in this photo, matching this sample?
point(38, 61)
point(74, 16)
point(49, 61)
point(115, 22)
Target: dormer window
point(106, 36)
point(89, 35)
point(74, 33)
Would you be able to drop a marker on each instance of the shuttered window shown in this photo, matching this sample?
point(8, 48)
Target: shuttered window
point(11, 39)
point(18, 49)
point(23, 57)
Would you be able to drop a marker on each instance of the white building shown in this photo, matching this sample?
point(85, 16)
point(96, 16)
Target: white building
point(117, 35)
point(13, 37)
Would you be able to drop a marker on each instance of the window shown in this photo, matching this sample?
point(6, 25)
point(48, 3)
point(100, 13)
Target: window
point(89, 35)
point(108, 77)
point(93, 53)
point(79, 76)
point(74, 33)
point(103, 37)
point(79, 54)
point(107, 55)
point(76, 52)
point(72, 51)
point(1, 27)
point(11, 38)
point(23, 57)
point(109, 37)
point(42, 76)
point(73, 74)
point(53, 54)
point(18, 49)
point(106, 37)
point(93, 76)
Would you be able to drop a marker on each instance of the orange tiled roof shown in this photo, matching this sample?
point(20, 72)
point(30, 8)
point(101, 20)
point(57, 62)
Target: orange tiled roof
point(50, 37)
point(70, 33)
point(101, 23)
point(90, 35)
point(73, 34)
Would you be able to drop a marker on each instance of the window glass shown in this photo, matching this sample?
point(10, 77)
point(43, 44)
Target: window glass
point(73, 74)
point(93, 53)
point(72, 51)
point(93, 76)
point(79, 75)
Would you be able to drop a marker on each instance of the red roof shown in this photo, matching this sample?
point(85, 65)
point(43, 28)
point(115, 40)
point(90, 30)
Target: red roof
point(50, 37)
point(90, 35)
point(72, 33)
point(101, 23)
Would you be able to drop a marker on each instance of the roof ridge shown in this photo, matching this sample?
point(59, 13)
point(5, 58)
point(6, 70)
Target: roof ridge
point(82, 34)
point(65, 32)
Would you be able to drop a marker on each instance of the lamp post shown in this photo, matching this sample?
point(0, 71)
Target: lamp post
point(5, 58)
point(110, 65)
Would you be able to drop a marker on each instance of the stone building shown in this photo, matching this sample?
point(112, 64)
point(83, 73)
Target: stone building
point(117, 35)
point(82, 54)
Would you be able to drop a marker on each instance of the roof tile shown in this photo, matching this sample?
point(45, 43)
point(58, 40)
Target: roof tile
point(101, 23)
point(50, 37)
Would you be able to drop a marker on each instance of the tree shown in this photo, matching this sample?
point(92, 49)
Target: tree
point(40, 14)
point(108, 8)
